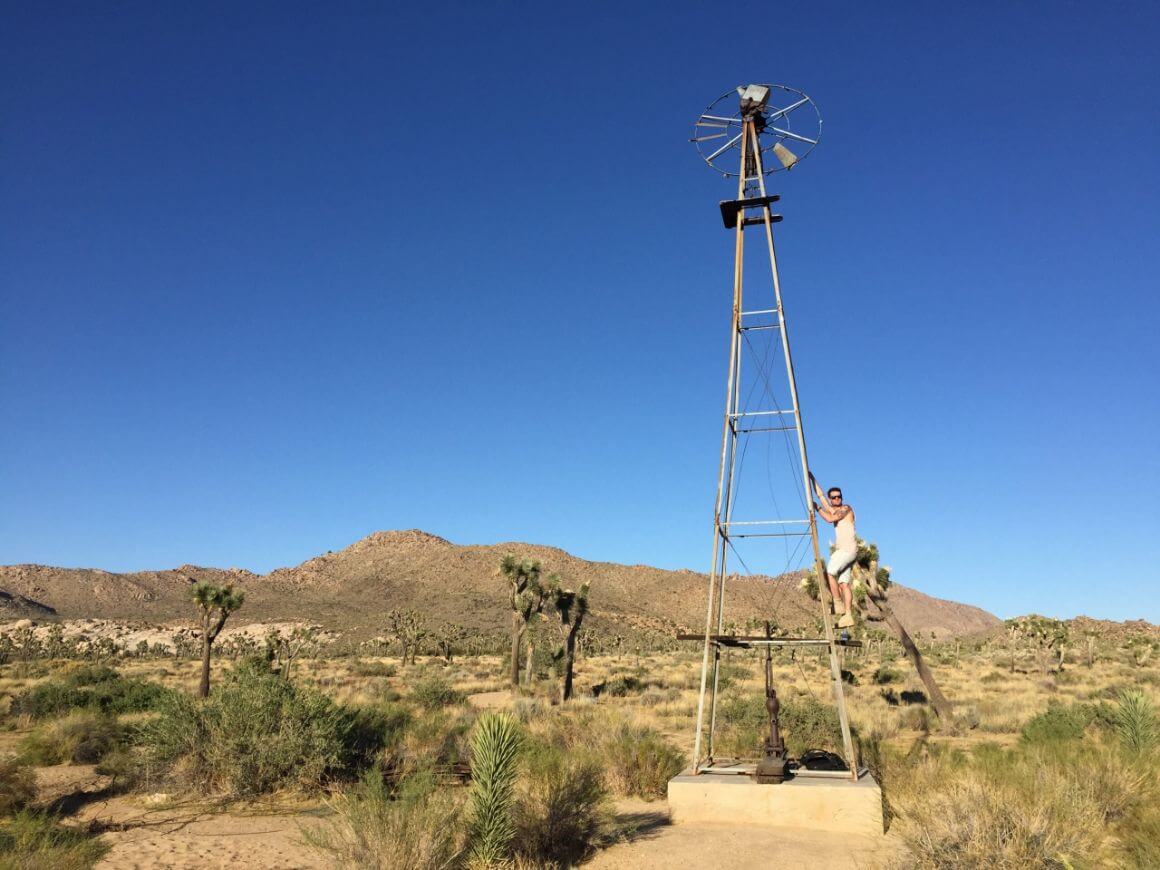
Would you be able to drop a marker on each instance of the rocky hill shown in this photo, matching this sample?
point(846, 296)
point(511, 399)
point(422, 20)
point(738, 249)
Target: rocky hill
point(350, 590)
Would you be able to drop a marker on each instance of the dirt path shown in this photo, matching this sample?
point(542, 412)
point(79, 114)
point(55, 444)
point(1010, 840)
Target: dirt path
point(658, 845)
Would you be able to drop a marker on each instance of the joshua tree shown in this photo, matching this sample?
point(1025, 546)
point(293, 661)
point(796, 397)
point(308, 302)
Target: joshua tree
point(871, 585)
point(216, 604)
point(283, 648)
point(408, 628)
point(447, 637)
point(571, 608)
point(877, 582)
point(1043, 633)
point(527, 601)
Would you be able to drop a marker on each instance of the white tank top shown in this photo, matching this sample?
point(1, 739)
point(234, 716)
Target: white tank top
point(844, 536)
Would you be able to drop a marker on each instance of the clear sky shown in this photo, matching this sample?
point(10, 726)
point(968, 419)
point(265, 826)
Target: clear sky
point(274, 276)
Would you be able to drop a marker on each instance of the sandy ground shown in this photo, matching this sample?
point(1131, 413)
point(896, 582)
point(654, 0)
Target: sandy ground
point(490, 700)
point(658, 845)
point(175, 837)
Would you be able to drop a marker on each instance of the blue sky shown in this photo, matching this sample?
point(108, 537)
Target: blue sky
point(274, 276)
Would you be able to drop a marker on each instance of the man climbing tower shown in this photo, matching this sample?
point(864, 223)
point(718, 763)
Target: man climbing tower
point(845, 550)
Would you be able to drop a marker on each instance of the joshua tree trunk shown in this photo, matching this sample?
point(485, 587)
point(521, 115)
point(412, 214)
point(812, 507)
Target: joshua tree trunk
point(569, 661)
point(206, 646)
point(517, 638)
point(942, 707)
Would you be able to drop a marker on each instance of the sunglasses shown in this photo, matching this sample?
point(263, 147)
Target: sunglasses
point(834, 497)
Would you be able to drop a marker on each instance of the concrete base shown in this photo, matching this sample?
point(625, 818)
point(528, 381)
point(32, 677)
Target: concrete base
point(836, 805)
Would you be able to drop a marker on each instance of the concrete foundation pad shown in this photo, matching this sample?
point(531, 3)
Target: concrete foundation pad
point(835, 805)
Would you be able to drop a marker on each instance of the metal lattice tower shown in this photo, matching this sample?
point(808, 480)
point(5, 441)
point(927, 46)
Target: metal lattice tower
point(745, 126)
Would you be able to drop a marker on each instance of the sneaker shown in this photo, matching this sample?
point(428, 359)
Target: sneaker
point(847, 621)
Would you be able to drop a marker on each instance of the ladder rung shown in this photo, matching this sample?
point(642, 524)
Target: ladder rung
point(766, 523)
point(763, 311)
point(752, 222)
point(760, 414)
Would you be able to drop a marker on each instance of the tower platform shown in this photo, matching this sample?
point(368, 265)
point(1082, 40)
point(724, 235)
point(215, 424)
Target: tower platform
point(817, 803)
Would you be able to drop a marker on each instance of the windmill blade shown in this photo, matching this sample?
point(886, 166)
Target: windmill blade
point(787, 157)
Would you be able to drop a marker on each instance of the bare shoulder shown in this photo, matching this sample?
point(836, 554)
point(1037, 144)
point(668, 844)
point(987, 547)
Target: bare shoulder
point(846, 511)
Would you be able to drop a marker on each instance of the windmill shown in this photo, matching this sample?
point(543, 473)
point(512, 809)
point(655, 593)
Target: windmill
point(748, 134)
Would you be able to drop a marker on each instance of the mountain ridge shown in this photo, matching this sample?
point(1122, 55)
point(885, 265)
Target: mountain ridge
point(353, 588)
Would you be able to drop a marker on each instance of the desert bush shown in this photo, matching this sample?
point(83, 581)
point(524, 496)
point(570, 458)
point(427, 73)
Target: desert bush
point(434, 693)
point(884, 676)
point(1135, 721)
point(259, 732)
point(1061, 804)
point(17, 786)
point(414, 826)
point(561, 808)
point(992, 677)
point(37, 841)
point(373, 669)
point(440, 738)
point(81, 737)
point(1060, 722)
point(620, 686)
point(91, 687)
point(639, 761)
point(805, 723)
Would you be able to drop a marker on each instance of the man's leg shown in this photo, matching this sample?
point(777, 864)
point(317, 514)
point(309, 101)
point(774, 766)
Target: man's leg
point(835, 595)
point(841, 563)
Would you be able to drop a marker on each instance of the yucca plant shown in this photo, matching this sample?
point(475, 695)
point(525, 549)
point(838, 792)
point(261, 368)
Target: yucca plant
point(495, 746)
point(1136, 721)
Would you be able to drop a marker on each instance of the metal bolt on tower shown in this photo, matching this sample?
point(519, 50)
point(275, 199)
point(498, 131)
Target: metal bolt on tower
point(745, 125)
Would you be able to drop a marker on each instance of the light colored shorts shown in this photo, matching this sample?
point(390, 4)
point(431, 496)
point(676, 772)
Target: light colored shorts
point(841, 561)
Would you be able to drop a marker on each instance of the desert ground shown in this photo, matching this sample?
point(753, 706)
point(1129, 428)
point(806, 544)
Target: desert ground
point(110, 764)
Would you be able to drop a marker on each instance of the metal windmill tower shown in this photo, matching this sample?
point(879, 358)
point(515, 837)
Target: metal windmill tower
point(744, 134)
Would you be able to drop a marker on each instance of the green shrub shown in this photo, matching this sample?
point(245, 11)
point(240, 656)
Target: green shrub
point(434, 693)
point(884, 676)
point(621, 686)
point(806, 723)
point(17, 786)
point(81, 737)
point(373, 669)
point(92, 687)
point(561, 809)
point(639, 761)
point(258, 732)
point(1058, 722)
point(36, 841)
point(416, 826)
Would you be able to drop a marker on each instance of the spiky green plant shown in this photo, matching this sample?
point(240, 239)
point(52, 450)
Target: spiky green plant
point(1136, 721)
point(495, 746)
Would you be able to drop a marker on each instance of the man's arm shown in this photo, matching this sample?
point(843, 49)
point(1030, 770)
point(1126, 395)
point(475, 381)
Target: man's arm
point(825, 513)
point(817, 488)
